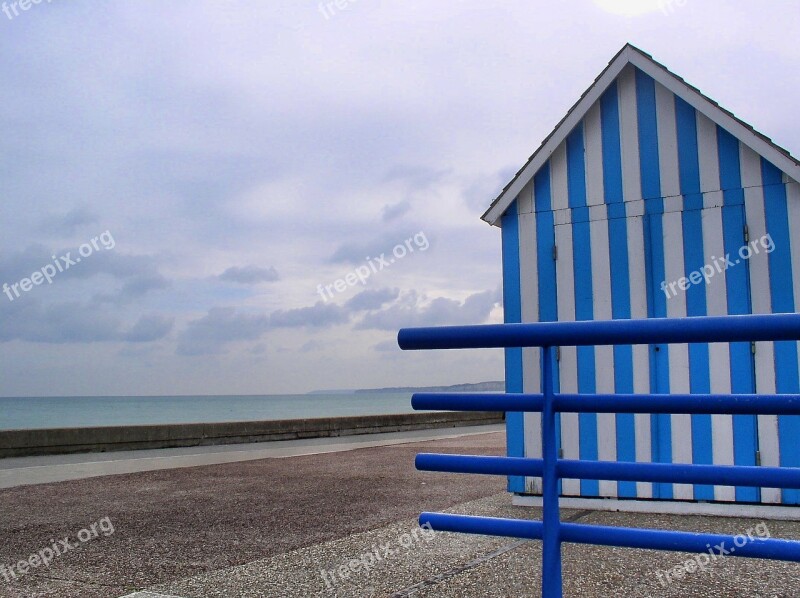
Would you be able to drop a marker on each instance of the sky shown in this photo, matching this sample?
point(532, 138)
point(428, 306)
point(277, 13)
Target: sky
point(218, 166)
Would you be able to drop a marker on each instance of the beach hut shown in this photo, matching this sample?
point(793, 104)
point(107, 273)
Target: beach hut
point(650, 200)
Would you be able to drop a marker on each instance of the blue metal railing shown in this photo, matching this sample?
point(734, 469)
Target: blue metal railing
point(552, 532)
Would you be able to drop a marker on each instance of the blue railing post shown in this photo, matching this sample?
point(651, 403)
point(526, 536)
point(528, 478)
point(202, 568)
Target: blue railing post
point(548, 335)
point(551, 539)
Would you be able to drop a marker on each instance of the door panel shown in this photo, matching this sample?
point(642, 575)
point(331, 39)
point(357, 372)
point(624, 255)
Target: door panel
point(729, 367)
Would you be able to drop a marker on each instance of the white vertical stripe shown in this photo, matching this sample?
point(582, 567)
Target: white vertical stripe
point(629, 135)
point(680, 425)
point(713, 199)
point(793, 203)
point(641, 356)
point(529, 289)
point(558, 175)
point(568, 367)
point(525, 200)
point(719, 353)
point(708, 153)
point(667, 142)
point(529, 267)
point(604, 355)
point(750, 167)
point(594, 157)
point(565, 276)
point(632, 194)
point(762, 304)
point(570, 432)
point(681, 437)
point(716, 293)
point(638, 281)
point(601, 270)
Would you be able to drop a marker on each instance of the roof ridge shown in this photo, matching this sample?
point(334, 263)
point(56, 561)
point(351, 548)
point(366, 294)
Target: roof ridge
point(624, 57)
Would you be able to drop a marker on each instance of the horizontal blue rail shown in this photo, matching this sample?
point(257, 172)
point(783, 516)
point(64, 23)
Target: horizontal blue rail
point(625, 537)
point(551, 530)
point(678, 473)
point(706, 329)
point(608, 403)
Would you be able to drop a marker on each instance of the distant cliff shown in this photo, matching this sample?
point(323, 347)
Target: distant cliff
point(493, 386)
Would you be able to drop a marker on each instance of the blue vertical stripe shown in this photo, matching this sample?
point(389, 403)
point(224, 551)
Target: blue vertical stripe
point(787, 378)
point(584, 298)
point(546, 265)
point(512, 310)
point(737, 280)
point(693, 262)
point(650, 170)
point(620, 272)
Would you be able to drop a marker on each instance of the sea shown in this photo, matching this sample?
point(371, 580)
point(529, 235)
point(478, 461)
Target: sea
point(25, 413)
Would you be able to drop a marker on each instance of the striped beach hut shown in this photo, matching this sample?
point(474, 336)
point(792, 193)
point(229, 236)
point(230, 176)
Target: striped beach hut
point(650, 200)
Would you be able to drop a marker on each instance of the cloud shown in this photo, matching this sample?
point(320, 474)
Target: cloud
point(395, 211)
point(412, 311)
point(27, 319)
point(67, 224)
point(149, 328)
point(372, 299)
point(70, 322)
point(139, 274)
point(480, 193)
point(389, 346)
point(221, 325)
point(116, 264)
point(320, 315)
point(249, 275)
point(134, 289)
point(258, 349)
point(20, 264)
point(358, 252)
point(200, 160)
point(312, 346)
point(416, 177)
point(143, 284)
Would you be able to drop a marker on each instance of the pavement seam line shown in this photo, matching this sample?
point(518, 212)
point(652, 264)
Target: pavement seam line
point(148, 594)
point(411, 590)
point(87, 583)
point(432, 581)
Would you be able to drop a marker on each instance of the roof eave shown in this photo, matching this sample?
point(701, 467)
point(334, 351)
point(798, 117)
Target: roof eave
point(632, 55)
point(551, 143)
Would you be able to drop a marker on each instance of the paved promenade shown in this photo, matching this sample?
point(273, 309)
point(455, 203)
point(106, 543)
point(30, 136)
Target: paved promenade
point(247, 522)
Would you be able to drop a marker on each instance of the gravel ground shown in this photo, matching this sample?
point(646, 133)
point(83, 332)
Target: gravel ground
point(270, 527)
point(455, 565)
point(173, 524)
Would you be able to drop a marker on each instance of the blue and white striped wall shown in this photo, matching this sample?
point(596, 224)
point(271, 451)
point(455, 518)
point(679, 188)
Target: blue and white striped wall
point(645, 190)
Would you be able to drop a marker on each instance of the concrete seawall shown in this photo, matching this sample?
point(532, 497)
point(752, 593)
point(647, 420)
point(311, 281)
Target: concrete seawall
point(58, 441)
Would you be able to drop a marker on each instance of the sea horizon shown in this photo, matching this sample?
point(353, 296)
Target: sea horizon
point(37, 412)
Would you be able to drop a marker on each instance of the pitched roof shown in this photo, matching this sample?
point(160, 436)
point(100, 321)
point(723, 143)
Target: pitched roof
point(630, 54)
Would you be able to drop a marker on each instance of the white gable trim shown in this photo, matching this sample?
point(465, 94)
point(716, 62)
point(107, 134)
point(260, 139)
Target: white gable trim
point(724, 119)
point(542, 155)
point(631, 55)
